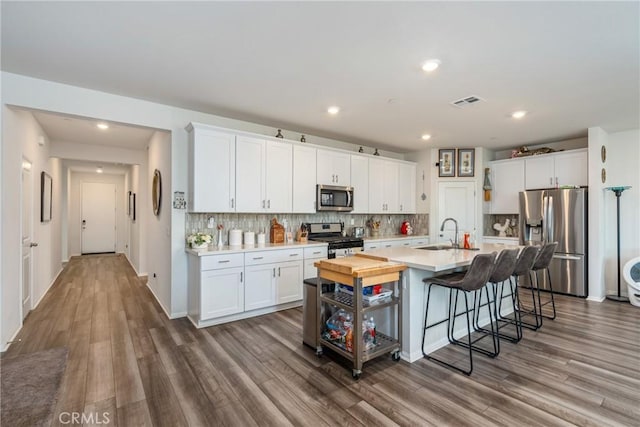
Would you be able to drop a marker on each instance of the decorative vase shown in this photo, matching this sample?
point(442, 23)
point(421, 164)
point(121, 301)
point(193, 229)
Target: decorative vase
point(200, 246)
point(220, 239)
point(375, 232)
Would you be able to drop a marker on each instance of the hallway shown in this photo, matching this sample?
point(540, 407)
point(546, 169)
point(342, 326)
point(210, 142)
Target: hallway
point(126, 358)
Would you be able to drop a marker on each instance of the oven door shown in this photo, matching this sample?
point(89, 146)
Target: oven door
point(333, 198)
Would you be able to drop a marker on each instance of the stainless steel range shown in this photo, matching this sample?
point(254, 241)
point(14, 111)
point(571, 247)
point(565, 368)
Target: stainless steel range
point(332, 233)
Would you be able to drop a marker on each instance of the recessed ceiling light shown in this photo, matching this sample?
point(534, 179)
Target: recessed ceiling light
point(426, 137)
point(102, 126)
point(518, 114)
point(431, 65)
point(333, 110)
point(99, 169)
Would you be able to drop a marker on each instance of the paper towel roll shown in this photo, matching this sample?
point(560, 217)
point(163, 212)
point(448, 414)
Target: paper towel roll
point(235, 237)
point(249, 238)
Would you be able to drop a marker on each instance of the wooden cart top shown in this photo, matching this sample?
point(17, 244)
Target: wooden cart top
point(359, 266)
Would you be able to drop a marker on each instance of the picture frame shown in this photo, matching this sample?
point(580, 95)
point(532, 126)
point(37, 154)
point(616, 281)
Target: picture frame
point(132, 206)
point(466, 162)
point(447, 162)
point(46, 192)
point(156, 192)
point(130, 202)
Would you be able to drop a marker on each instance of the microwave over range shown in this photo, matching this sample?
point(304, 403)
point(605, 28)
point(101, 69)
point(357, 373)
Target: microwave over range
point(334, 198)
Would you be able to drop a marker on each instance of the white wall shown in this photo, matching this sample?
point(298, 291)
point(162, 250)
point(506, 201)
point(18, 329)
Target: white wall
point(20, 133)
point(623, 158)
point(137, 241)
point(158, 233)
point(74, 225)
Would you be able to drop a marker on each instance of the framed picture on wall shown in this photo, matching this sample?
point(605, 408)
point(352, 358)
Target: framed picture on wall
point(447, 163)
point(466, 161)
point(46, 190)
point(130, 201)
point(133, 208)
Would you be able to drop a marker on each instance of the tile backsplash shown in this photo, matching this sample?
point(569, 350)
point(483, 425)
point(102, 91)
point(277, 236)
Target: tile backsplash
point(489, 220)
point(389, 224)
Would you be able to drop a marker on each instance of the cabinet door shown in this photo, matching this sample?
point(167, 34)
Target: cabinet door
point(507, 182)
point(289, 282)
point(212, 174)
point(376, 186)
point(304, 179)
point(222, 293)
point(360, 183)
point(278, 176)
point(259, 286)
point(539, 172)
point(390, 187)
point(333, 167)
point(250, 154)
point(572, 167)
point(309, 270)
point(407, 188)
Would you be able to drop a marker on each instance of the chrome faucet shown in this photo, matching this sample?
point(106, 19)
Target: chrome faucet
point(454, 243)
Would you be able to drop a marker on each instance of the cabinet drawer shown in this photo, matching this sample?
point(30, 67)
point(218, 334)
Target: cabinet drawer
point(216, 262)
point(266, 257)
point(316, 252)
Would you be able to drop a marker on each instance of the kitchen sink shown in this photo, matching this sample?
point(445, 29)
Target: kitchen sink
point(445, 247)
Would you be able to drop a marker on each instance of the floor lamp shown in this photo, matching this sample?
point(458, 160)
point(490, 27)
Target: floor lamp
point(618, 192)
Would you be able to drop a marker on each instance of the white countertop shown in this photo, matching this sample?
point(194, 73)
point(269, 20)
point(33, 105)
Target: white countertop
point(395, 237)
point(435, 261)
point(215, 250)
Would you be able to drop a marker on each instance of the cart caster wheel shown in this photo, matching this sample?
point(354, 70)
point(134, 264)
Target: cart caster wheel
point(356, 374)
point(319, 352)
point(395, 356)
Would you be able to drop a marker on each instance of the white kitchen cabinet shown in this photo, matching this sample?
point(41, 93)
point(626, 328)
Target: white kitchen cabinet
point(360, 183)
point(211, 169)
point(507, 181)
point(557, 169)
point(333, 168)
point(311, 256)
point(264, 175)
point(273, 277)
point(407, 188)
point(216, 287)
point(304, 179)
point(383, 186)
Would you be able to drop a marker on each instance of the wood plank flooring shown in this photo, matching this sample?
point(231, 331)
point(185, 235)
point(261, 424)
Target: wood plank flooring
point(128, 360)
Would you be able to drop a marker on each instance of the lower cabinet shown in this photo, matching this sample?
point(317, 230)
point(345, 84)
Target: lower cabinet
point(222, 293)
point(289, 282)
point(260, 287)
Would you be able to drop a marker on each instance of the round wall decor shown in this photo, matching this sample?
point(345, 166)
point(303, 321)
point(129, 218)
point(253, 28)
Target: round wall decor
point(156, 192)
point(603, 153)
point(603, 175)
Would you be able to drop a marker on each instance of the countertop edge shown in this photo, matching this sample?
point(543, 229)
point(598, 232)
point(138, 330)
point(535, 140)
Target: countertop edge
point(225, 250)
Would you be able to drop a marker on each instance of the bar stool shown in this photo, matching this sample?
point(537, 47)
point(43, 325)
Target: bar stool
point(475, 279)
point(523, 266)
point(505, 265)
point(542, 263)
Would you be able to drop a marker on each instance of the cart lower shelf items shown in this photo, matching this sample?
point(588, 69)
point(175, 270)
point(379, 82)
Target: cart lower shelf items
point(360, 272)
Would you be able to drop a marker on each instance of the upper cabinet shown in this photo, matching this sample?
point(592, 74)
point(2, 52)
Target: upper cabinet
point(333, 168)
point(557, 169)
point(507, 181)
point(304, 179)
point(383, 186)
point(360, 183)
point(407, 188)
point(263, 175)
point(211, 170)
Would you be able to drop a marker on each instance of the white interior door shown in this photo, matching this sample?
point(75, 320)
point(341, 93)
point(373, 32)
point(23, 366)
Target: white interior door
point(98, 217)
point(26, 233)
point(457, 200)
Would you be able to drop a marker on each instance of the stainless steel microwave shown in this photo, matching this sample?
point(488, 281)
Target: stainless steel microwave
point(334, 198)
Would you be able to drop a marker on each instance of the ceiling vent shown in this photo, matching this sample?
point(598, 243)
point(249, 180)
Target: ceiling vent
point(466, 102)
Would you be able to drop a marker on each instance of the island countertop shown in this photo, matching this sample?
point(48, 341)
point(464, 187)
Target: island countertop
point(432, 260)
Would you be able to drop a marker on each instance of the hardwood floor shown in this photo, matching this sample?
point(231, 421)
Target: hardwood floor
point(128, 360)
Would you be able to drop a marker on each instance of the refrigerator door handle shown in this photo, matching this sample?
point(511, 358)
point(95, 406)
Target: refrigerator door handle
point(568, 257)
point(545, 218)
point(549, 218)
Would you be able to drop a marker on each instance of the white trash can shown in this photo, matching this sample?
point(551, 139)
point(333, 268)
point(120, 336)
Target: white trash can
point(631, 273)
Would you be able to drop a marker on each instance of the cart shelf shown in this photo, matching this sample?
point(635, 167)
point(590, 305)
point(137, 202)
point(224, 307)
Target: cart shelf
point(345, 302)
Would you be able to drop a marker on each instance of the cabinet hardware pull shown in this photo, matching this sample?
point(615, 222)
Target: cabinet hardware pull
point(263, 205)
point(258, 257)
point(241, 274)
point(550, 180)
point(317, 253)
point(223, 261)
point(232, 203)
point(269, 204)
point(297, 254)
point(274, 272)
point(278, 271)
point(337, 179)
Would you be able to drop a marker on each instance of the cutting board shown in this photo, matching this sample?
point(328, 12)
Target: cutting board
point(371, 271)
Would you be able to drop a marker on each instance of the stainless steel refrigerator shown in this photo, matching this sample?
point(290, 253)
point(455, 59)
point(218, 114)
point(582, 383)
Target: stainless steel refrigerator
point(558, 216)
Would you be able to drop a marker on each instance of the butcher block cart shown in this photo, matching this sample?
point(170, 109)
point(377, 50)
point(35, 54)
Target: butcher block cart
point(357, 273)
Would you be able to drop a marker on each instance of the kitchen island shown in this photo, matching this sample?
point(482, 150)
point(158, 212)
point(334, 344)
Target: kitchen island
point(422, 264)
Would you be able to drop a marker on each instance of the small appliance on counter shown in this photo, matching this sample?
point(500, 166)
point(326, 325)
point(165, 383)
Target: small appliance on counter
point(406, 228)
point(357, 232)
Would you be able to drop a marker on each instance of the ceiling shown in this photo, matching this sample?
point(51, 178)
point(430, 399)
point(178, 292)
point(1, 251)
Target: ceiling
point(83, 166)
point(83, 130)
point(572, 65)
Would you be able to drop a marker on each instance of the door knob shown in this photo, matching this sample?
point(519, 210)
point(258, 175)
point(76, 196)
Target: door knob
point(33, 245)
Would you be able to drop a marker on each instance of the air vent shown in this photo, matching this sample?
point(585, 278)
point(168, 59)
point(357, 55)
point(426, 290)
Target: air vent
point(466, 102)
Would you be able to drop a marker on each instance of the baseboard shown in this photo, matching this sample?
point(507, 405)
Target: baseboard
point(243, 315)
point(7, 345)
point(596, 299)
point(166, 312)
point(47, 290)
